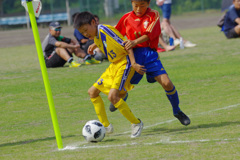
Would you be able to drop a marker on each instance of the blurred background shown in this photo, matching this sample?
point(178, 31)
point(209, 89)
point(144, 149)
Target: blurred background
point(13, 15)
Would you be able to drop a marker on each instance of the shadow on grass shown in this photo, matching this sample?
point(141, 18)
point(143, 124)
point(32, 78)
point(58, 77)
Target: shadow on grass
point(189, 128)
point(33, 141)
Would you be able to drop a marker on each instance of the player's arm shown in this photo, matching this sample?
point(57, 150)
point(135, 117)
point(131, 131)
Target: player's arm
point(91, 48)
point(138, 68)
point(132, 43)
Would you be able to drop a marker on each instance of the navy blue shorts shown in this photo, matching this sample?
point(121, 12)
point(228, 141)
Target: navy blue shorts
point(150, 59)
point(166, 10)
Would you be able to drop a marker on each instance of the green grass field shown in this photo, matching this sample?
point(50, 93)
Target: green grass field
point(207, 78)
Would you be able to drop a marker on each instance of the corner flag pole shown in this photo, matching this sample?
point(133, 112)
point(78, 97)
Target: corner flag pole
point(44, 70)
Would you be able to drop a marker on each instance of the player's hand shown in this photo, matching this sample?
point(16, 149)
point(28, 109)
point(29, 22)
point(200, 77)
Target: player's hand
point(91, 48)
point(128, 44)
point(139, 68)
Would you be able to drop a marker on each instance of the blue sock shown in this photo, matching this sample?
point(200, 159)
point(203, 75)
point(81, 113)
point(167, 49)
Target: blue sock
point(174, 100)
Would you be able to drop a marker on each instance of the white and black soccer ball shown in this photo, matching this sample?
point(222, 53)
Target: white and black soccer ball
point(93, 131)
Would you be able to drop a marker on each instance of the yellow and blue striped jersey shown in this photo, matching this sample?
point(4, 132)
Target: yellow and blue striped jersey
point(110, 41)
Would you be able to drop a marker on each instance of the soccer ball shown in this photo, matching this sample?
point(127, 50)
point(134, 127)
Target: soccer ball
point(93, 131)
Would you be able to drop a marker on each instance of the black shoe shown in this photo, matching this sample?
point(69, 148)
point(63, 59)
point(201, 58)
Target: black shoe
point(112, 107)
point(183, 118)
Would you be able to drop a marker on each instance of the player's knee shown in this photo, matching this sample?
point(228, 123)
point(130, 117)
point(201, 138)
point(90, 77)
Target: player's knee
point(113, 99)
point(167, 85)
point(92, 92)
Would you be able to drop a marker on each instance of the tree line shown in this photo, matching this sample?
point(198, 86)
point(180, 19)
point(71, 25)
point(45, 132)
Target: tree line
point(13, 7)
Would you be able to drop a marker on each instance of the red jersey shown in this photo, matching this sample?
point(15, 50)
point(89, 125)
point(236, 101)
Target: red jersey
point(134, 27)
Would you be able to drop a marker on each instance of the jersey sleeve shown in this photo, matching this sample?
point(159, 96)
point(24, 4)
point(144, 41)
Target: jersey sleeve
point(121, 27)
point(154, 30)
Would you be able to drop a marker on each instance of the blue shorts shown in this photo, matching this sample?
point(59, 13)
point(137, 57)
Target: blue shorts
point(166, 10)
point(150, 59)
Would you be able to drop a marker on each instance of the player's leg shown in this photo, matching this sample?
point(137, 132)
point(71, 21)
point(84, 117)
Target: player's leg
point(124, 109)
point(123, 96)
point(172, 95)
point(136, 77)
point(114, 98)
point(98, 105)
point(170, 90)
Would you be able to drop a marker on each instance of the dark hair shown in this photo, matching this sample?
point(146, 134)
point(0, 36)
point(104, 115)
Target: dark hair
point(96, 16)
point(82, 19)
point(141, 1)
point(74, 15)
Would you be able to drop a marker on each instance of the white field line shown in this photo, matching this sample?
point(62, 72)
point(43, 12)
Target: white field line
point(194, 115)
point(164, 141)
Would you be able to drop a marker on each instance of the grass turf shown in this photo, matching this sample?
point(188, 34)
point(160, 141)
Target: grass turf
point(207, 79)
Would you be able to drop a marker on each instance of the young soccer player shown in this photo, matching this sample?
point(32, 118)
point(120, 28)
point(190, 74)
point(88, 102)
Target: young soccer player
point(115, 81)
point(142, 28)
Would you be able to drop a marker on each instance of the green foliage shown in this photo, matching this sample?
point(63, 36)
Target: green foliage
point(96, 6)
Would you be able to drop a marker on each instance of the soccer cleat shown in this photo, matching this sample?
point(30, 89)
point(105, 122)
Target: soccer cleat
point(92, 61)
point(74, 64)
point(189, 44)
point(109, 129)
point(137, 129)
point(112, 107)
point(183, 118)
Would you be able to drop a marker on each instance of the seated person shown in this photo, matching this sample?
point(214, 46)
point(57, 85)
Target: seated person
point(232, 21)
point(164, 45)
point(86, 42)
point(58, 49)
point(170, 30)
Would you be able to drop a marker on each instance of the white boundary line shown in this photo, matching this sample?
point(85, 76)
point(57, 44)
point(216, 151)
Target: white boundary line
point(166, 140)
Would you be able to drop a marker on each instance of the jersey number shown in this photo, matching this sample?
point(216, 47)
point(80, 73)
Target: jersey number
point(112, 54)
point(100, 81)
point(137, 34)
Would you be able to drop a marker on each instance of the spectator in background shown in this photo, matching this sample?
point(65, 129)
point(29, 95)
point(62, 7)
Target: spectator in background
point(58, 49)
point(86, 42)
point(170, 30)
point(164, 45)
point(232, 21)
